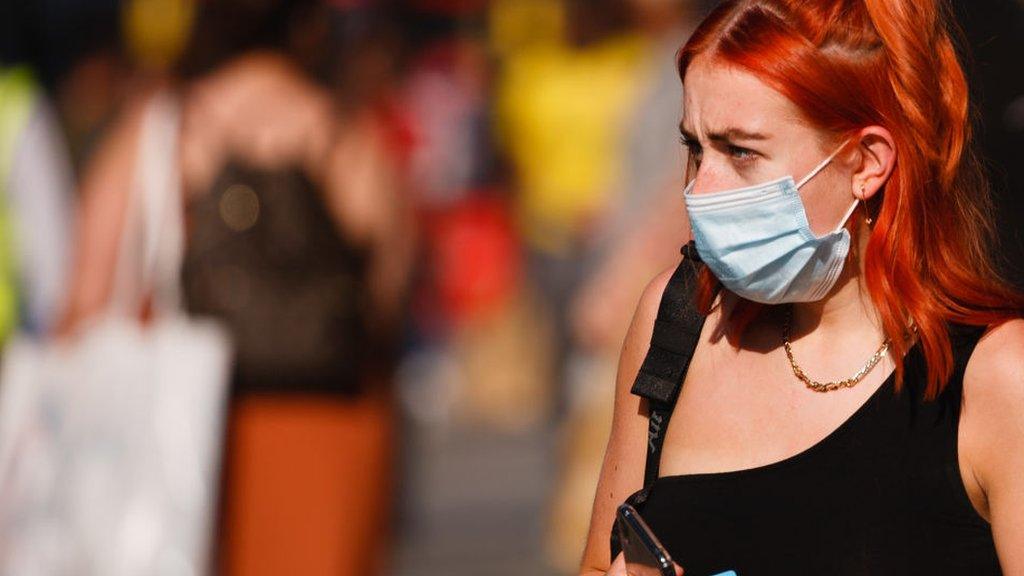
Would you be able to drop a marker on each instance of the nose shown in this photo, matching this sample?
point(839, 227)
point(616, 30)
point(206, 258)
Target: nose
point(706, 180)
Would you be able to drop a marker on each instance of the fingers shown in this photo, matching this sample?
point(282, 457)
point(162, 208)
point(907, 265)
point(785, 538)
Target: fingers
point(618, 567)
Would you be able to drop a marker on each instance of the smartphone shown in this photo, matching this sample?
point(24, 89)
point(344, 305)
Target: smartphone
point(645, 556)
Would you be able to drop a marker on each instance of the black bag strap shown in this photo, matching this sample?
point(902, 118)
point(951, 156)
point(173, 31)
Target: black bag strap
point(676, 334)
point(677, 330)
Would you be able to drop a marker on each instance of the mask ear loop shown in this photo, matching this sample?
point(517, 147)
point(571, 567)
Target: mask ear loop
point(821, 167)
point(823, 164)
point(849, 212)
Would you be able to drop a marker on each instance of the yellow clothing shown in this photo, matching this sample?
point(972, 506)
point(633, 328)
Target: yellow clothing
point(17, 92)
point(562, 115)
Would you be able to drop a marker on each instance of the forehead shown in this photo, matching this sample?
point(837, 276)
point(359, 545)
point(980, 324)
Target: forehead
point(718, 96)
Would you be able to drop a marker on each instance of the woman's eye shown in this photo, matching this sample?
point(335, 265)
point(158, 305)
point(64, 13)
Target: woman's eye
point(693, 148)
point(742, 154)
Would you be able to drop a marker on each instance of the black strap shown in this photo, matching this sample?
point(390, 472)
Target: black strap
point(676, 333)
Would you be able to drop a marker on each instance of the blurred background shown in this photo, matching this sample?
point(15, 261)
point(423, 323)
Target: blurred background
point(424, 224)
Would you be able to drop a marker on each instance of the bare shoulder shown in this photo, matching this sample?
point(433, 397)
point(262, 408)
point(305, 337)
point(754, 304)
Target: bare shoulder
point(993, 409)
point(639, 336)
point(638, 341)
point(993, 404)
point(111, 166)
point(995, 373)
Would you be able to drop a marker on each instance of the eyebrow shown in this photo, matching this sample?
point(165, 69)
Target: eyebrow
point(727, 135)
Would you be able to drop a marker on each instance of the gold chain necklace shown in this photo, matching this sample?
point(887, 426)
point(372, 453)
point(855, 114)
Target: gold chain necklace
point(828, 386)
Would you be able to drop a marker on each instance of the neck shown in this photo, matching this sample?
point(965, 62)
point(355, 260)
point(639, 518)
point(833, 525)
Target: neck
point(848, 306)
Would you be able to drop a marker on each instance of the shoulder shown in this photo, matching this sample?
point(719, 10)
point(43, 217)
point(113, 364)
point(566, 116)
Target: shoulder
point(993, 409)
point(114, 156)
point(647, 307)
point(995, 372)
point(638, 338)
point(994, 402)
point(651, 297)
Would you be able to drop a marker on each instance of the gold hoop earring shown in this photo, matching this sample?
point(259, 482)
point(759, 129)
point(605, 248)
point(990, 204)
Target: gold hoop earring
point(864, 203)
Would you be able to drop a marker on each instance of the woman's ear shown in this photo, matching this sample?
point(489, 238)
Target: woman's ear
point(877, 153)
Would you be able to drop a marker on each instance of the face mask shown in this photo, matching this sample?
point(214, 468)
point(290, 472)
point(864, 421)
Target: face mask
point(758, 243)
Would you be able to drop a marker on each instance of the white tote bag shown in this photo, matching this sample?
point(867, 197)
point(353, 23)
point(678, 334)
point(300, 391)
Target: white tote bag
point(110, 442)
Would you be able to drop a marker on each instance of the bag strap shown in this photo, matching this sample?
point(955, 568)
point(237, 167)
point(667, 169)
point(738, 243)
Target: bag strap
point(152, 237)
point(677, 331)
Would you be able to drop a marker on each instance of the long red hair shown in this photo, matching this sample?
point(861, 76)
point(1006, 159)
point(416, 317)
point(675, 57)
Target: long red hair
point(847, 64)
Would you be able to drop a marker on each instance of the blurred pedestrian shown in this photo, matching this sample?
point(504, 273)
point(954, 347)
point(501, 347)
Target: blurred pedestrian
point(563, 108)
point(297, 239)
point(35, 206)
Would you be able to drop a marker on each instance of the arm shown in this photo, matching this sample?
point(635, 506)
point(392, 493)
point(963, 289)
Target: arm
point(623, 470)
point(104, 194)
point(368, 201)
point(994, 441)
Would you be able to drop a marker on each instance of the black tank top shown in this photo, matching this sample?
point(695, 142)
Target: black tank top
point(880, 495)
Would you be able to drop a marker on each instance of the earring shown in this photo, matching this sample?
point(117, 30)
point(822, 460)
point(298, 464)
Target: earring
point(864, 203)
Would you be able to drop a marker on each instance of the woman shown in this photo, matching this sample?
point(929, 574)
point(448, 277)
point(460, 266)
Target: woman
point(299, 241)
point(835, 379)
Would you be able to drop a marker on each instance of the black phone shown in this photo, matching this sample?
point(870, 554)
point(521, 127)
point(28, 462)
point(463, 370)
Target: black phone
point(644, 554)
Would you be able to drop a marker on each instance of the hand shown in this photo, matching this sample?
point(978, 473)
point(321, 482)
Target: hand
point(618, 568)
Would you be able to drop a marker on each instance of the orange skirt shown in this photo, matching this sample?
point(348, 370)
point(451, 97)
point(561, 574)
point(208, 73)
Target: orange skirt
point(308, 486)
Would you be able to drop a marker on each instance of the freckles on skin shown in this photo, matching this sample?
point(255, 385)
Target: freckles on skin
point(717, 98)
point(748, 134)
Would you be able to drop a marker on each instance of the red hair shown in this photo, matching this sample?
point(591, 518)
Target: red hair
point(847, 64)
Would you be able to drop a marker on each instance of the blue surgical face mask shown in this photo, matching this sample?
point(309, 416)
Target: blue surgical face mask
point(758, 243)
